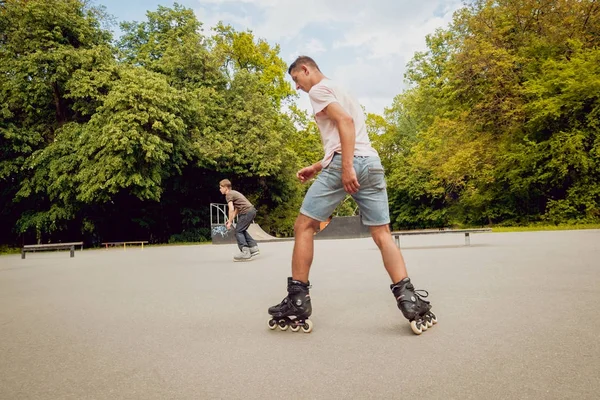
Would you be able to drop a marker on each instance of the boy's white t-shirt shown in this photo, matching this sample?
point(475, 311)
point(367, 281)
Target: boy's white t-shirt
point(325, 93)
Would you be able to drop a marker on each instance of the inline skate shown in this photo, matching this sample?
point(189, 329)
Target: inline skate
point(413, 306)
point(294, 310)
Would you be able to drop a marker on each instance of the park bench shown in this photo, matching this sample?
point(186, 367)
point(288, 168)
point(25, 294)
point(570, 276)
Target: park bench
point(125, 243)
point(467, 233)
point(51, 246)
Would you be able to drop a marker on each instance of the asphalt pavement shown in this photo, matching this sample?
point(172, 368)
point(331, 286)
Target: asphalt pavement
point(518, 319)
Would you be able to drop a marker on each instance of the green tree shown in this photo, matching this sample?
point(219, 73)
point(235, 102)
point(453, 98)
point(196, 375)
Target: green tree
point(500, 119)
point(42, 44)
point(240, 131)
point(241, 51)
point(171, 42)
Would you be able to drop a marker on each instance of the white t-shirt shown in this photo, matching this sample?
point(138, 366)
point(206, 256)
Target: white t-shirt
point(325, 93)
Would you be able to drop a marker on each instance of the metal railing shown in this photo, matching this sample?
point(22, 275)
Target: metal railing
point(219, 214)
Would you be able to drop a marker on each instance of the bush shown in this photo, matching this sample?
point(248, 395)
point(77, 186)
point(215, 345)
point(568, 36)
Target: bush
point(193, 235)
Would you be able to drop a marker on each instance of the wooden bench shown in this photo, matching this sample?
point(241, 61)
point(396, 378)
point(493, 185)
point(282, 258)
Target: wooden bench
point(125, 243)
point(467, 233)
point(51, 246)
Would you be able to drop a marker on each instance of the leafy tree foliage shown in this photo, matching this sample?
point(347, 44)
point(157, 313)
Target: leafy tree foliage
point(500, 124)
point(112, 142)
point(106, 140)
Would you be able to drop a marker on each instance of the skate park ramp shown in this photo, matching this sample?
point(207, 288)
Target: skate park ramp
point(258, 233)
point(220, 234)
point(344, 228)
point(338, 228)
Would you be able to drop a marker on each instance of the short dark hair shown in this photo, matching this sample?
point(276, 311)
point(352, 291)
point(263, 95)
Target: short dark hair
point(303, 60)
point(225, 183)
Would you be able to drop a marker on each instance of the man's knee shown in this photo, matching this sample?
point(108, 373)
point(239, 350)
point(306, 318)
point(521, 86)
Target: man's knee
point(381, 234)
point(304, 223)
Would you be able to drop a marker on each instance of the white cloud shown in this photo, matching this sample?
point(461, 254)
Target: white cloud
point(210, 18)
point(278, 19)
point(384, 34)
point(313, 46)
point(364, 45)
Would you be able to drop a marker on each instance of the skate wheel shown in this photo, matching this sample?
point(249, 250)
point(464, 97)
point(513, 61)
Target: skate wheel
point(307, 327)
point(272, 323)
point(295, 328)
point(430, 319)
point(282, 324)
point(433, 318)
point(416, 327)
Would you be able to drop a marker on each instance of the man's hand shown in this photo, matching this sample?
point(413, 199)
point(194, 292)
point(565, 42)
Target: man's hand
point(228, 225)
point(349, 180)
point(306, 173)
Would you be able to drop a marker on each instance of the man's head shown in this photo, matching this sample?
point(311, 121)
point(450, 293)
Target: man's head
point(225, 186)
point(305, 72)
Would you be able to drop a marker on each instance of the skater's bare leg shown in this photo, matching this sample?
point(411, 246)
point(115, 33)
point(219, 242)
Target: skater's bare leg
point(392, 257)
point(304, 232)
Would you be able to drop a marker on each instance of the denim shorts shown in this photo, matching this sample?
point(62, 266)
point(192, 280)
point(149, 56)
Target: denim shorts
point(327, 191)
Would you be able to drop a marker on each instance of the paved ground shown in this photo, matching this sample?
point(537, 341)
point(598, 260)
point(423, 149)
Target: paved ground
point(518, 319)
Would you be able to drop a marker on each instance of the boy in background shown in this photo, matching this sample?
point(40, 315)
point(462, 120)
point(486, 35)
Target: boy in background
point(239, 205)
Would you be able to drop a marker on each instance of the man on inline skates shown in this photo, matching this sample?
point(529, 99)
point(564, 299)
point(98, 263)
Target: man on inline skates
point(350, 165)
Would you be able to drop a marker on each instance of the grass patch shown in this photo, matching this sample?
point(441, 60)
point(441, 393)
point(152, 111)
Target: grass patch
point(176, 244)
point(532, 228)
point(9, 250)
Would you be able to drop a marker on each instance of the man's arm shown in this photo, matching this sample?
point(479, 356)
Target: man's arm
point(308, 172)
point(347, 131)
point(232, 213)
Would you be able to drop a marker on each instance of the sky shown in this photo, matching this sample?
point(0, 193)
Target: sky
point(364, 45)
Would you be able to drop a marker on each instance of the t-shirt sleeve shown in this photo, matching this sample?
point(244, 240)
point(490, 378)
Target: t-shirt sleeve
point(320, 97)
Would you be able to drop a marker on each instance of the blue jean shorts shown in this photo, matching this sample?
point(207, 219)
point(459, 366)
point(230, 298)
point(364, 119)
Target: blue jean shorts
point(327, 191)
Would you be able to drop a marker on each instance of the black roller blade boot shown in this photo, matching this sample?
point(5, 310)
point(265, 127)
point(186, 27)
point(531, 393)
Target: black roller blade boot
point(413, 306)
point(294, 310)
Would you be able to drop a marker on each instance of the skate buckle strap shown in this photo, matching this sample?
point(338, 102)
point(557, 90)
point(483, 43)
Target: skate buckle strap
point(420, 293)
point(306, 285)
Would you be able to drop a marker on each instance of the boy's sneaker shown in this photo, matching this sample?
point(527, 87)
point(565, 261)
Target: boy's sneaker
point(243, 255)
point(254, 251)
